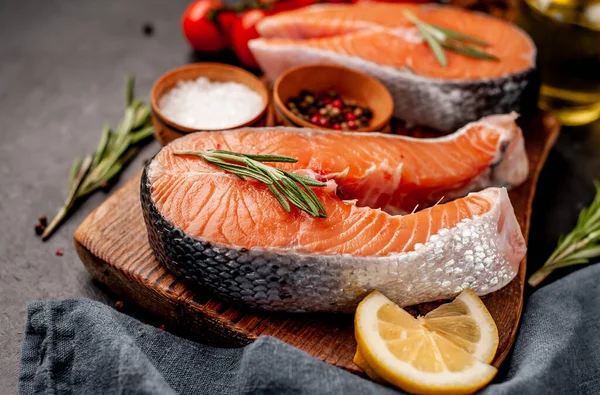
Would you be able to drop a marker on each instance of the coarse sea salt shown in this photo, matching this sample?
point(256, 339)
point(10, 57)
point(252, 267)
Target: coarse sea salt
point(205, 104)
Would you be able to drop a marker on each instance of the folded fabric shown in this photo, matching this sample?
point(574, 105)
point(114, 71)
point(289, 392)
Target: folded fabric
point(78, 346)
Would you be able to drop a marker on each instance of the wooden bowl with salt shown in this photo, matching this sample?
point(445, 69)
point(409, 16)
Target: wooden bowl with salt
point(167, 130)
point(350, 84)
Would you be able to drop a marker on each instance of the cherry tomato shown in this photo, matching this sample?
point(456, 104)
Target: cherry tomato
point(203, 34)
point(226, 19)
point(244, 30)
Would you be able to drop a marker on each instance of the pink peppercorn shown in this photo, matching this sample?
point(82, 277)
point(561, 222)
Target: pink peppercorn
point(324, 122)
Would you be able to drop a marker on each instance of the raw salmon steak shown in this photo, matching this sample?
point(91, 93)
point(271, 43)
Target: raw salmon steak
point(229, 235)
point(378, 39)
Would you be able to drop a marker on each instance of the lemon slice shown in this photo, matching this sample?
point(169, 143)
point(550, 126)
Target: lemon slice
point(429, 354)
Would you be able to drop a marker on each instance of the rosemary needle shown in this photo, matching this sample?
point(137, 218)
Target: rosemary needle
point(285, 186)
point(577, 247)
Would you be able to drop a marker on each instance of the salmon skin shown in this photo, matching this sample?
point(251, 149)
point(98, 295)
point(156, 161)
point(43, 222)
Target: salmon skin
point(378, 39)
point(230, 236)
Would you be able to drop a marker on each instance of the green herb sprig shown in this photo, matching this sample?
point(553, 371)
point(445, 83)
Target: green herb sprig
point(287, 187)
point(115, 150)
point(439, 38)
point(579, 246)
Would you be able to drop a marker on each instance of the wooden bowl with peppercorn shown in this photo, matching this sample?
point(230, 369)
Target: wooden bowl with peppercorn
point(332, 97)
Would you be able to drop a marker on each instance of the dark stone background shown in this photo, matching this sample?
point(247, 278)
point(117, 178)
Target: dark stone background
point(62, 72)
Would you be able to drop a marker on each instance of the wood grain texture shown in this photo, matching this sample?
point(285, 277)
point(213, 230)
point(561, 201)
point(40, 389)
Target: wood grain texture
point(112, 244)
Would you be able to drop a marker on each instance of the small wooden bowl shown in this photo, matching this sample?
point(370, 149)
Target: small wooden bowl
point(166, 130)
point(349, 83)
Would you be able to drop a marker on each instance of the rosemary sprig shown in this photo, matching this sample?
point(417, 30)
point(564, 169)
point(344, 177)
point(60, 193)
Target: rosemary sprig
point(285, 186)
point(115, 150)
point(579, 246)
point(439, 38)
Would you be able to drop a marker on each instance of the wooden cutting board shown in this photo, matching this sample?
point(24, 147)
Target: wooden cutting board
point(112, 244)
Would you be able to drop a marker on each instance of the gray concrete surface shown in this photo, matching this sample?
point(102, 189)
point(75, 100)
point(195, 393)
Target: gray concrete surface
point(62, 71)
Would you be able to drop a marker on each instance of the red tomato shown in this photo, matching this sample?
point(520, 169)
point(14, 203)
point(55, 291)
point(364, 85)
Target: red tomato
point(226, 19)
point(244, 30)
point(203, 34)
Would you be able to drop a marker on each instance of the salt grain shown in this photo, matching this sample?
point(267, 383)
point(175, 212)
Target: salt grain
point(205, 104)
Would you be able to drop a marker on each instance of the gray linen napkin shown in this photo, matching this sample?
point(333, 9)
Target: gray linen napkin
point(77, 346)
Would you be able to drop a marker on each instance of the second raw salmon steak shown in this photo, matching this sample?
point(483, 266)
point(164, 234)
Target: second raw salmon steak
point(380, 40)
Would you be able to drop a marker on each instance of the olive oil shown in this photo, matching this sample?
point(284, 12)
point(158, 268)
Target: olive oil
point(567, 35)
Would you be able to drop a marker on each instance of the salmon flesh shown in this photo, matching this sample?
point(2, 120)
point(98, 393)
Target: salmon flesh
point(230, 236)
point(379, 40)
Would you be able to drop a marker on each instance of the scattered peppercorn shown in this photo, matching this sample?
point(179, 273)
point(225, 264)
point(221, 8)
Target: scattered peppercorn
point(41, 225)
point(162, 327)
point(148, 29)
point(119, 305)
point(59, 253)
point(39, 229)
point(329, 110)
